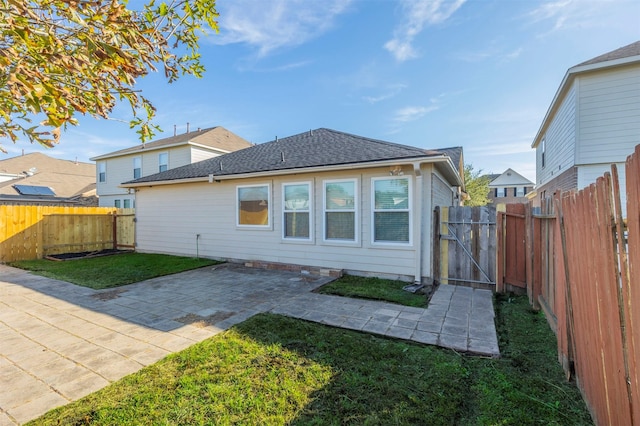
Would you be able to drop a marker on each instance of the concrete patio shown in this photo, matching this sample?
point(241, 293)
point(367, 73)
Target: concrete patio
point(60, 342)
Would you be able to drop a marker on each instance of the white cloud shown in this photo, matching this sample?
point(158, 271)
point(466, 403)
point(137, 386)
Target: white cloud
point(271, 25)
point(412, 113)
point(418, 14)
point(388, 93)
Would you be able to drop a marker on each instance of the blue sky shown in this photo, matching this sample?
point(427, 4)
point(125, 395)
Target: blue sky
point(429, 73)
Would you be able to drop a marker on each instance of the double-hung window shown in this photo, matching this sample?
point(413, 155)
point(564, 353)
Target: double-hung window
point(391, 210)
point(253, 206)
point(102, 172)
point(163, 162)
point(137, 167)
point(296, 211)
point(340, 210)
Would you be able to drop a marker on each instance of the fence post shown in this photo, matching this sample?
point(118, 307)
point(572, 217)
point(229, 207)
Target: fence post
point(444, 245)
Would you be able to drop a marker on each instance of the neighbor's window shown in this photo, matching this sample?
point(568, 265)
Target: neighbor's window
point(116, 204)
point(127, 203)
point(253, 205)
point(102, 172)
point(137, 167)
point(520, 192)
point(543, 148)
point(296, 210)
point(163, 162)
point(391, 209)
point(501, 192)
point(340, 210)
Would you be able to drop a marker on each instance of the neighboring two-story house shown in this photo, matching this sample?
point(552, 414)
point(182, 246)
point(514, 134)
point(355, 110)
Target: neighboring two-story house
point(509, 187)
point(593, 121)
point(158, 156)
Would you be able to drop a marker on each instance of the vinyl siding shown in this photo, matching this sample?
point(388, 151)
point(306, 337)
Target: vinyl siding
point(199, 154)
point(210, 211)
point(560, 140)
point(609, 116)
point(441, 193)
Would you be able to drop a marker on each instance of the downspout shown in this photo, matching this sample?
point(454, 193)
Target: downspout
point(417, 230)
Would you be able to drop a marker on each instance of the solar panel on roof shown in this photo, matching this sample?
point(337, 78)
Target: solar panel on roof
point(34, 190)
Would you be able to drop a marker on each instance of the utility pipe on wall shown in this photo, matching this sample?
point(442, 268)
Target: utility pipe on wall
point(417, 230)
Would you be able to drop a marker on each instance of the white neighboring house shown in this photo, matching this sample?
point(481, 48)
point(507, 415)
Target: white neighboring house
point(323, 198)
point(153, 157)
point(509, 187)
point(593, 121)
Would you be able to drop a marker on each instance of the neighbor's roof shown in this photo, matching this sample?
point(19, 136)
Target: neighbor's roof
point(217, 138)
point(509, 178)
point(626, 55)
point(315, 148)
point(66, 178)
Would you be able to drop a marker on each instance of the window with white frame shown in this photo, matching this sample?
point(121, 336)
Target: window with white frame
point(163, 162)
point(102, 172)
point(116, 204)
point(137, 167)
point(520, 192)
point(296, 210)
point(253, 205)
point(127, 203)
point(391, 209)
point(340, 210)
point(543, 149)
point(501, 192)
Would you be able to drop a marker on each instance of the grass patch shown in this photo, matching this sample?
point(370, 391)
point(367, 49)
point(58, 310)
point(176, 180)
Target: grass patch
point(375, 289)
point(113, 271)
point(276, 370)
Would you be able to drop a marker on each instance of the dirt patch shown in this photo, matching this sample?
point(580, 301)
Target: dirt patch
point(85, 254)
point(201, 322)
point(108, 295)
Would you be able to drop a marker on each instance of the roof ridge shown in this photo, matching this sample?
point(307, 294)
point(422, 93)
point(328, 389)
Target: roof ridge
point(628, 51)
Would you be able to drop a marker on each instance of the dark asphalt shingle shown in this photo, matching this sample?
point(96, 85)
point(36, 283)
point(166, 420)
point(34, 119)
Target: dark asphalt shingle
point(320, 147)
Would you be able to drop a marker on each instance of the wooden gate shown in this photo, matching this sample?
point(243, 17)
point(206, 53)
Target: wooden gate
point(512, 246)
point(466, 252)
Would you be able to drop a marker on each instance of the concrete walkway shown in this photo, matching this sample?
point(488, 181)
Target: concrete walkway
point(60, 342)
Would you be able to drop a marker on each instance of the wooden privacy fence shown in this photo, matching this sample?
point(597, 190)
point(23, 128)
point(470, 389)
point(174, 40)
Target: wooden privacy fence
point(465, 247)
point(587, 277)
point(33, 232)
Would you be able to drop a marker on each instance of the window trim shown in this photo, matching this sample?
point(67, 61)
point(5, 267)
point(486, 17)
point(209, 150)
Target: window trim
point(269, 225)
point(310, 211)
point(409, 210)
point(139, 159)
point(102, 172)
point(160, 154)
point(543, 149)
point(356, 212)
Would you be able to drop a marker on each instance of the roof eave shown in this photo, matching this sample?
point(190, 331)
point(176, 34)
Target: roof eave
point(397, 161)
point(564, 86)
point(143, 148)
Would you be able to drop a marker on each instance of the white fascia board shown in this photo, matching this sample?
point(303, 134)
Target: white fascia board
point(408, 161)
point(142, 150)
point(566, 83)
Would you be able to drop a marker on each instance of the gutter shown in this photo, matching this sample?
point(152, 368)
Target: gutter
point(213, 177)
point(142, 148)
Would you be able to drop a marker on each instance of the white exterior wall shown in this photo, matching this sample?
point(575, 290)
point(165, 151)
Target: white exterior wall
point(588, 175)
point(120, 169)
point(169, 217)
point(199, 154)
point(609, 116)
point(560, 141)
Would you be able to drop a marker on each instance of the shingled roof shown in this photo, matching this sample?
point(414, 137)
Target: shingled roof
point(218, 138)
point(627, 51)
point(315, 148)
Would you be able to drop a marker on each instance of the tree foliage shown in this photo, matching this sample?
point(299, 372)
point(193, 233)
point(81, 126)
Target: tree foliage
point(59, 58)
point(477, 187)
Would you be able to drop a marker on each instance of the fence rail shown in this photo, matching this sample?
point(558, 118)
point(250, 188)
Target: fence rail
point(586, 276)
point(32, 232)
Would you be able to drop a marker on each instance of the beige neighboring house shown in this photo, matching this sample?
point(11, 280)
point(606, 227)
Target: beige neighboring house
point(158, 156)
point(37, 178)
point(592, 122)
point(509, 187)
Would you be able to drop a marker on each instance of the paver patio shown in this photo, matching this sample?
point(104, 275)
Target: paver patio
point(60, 342)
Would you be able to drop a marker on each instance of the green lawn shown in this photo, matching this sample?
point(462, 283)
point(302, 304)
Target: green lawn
point(376, 289)
point(274, 370)
point(112, 271)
